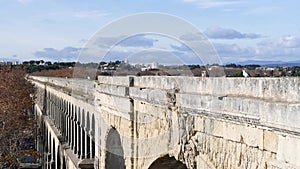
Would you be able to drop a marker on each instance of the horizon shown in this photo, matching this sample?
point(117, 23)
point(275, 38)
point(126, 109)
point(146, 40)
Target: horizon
point(270, 64)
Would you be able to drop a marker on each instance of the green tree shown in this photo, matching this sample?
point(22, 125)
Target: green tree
point(238, 74)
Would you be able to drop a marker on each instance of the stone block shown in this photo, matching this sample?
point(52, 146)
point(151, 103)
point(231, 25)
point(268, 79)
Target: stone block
point(270, 141)
point(252, 136)
point(232, 132)
point(289, 149)
point(214, 127)
point(155, 96)
point(117, 81)
point(121, 104)
point(199, 123)
point(113, 90)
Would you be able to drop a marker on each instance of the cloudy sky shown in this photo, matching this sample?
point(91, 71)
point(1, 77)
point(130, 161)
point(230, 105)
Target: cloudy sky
point(240, 30)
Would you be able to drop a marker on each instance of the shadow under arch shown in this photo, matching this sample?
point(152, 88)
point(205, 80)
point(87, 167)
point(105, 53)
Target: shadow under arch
point(58, 158)
point(114, 155)
point(167, 162)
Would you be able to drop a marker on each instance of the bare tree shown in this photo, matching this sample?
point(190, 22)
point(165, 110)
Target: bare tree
point(17, 123)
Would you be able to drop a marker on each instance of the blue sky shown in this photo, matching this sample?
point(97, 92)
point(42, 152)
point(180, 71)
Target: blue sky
point(240, 30)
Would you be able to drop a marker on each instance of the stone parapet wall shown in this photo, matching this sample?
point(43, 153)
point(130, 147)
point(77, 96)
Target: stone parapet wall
point(273, 102)
point(272, 89)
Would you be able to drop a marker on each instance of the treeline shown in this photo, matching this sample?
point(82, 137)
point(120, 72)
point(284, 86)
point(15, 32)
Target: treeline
point(250, 66)
point(65, 69)
point(40, 65)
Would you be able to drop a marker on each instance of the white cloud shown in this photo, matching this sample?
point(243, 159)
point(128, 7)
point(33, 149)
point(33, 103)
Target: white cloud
point(222, 33)
point(89, 14)
point(264, 10)
point(93, 14)
point(24, 1)
point(213, 3)
point(286, 48)
point(234, 51)
point(193, 37)
point(283, 42)
point(137, 41)
point(66, 54)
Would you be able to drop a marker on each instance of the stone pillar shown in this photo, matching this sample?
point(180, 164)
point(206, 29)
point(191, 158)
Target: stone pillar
point(50, 109)
point(70, 131)
point(71, 128)
point(62, 116)
point(63, 125)
point(60, 120)
point(75, 137)
point(96, 138)
point(72, 134)
point(55, 115)
point(53, 111)
point(67, 128)
point(91, 145)
point(67, 124)
point(48, 153)
point(48, 106)
point(79, 145)
point(86, 144)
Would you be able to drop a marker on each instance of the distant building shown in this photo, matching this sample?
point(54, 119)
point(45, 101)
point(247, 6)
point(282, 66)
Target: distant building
point(144, 68)
point(147, 66)
point(270, 68)
point(154, 65)
point(2, 63)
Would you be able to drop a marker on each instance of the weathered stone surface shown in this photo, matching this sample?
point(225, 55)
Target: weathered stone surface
point(202, 122)
point(289, 149)
point(270, 141)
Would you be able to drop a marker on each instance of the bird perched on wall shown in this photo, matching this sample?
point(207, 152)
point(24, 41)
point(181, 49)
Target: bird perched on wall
point(245, 74)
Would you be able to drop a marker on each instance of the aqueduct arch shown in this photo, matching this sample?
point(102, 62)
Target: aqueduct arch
point(167, 162)
point(114, 154)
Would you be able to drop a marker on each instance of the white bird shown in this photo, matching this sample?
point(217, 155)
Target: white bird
point(245, 74)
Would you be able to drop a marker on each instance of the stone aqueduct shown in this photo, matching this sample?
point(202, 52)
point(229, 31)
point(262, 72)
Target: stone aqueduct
point(169, 122)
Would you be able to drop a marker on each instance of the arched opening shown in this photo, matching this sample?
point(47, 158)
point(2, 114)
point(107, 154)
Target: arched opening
point(58, 160)
point(88, 139)
point(93, 136)
point(114, 151)
point(64, 163)
point(52, 162)
point(167, 162)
